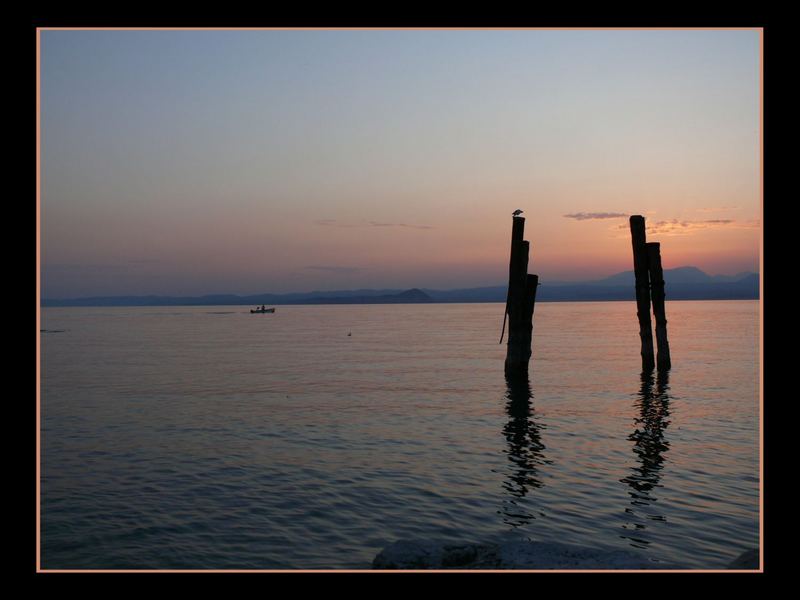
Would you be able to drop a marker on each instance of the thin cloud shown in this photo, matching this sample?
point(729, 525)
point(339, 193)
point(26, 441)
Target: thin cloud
point(686, 227)
point(333, 269)
point(335, 223)
point(676, 227)
point(331, 223)
point(716, 208)
point(376, 224)
point(87, 267)
point(596, 215)
point(125, 265)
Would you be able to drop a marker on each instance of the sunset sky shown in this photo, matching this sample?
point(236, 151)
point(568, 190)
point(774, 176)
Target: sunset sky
point(244, 162)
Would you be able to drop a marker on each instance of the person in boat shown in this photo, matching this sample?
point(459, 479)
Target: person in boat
point(263, 307)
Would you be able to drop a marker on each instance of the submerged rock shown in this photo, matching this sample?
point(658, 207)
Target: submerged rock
point(423, 554)
point(538, 555)
point(418, 554)
point(750, 559)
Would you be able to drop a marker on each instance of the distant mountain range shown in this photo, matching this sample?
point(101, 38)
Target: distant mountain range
point(683, 283)
point(411, 296)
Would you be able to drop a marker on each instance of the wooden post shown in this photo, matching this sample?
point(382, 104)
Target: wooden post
point(641, 273)
point(531, 284)
point(663, 361)
point(517, 229)
point(516, 284)
point(518, 261)
point(519, 303)
point(525, 324)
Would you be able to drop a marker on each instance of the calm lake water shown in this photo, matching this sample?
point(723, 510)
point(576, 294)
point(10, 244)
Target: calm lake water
point(207, 437)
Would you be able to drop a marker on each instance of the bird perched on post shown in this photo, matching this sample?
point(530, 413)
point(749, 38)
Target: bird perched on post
point(517, 212)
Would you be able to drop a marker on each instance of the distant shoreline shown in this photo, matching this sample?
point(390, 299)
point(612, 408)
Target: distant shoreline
point(245, 305)
point(683, 283)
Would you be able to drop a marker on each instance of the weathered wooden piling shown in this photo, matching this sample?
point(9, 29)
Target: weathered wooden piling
point(531, 283)
point(520, 301)
point(517, 232)
point(641, 272)
point(663, 362)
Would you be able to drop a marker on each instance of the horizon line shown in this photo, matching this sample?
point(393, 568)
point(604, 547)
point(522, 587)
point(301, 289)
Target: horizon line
point(44, 299)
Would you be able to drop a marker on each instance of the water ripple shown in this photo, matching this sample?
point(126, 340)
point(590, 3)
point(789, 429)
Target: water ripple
point(178, 439)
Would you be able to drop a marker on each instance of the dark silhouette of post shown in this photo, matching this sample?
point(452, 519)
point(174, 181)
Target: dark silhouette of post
point(641, 272)
point(663, 362)
point(517, 229)
point(531, 283)
point(520, 301)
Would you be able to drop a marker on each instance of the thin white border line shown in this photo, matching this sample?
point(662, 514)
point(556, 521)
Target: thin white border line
point(379, 571)
point(38, 292)
point(761, 309)
point(431, 29)
point(38, 304)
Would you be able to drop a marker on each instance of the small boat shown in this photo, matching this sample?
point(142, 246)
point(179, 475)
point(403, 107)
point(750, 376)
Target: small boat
point(262, 310)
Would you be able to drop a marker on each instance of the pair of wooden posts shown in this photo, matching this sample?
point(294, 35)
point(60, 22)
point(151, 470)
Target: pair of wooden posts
point(522, 297)
point(649, 286)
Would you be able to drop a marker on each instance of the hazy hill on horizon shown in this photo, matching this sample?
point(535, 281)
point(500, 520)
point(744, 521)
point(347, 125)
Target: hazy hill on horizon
point(681, 283)
point(681, 275)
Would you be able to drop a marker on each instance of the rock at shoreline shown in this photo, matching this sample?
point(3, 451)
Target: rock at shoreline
point(419, 554)
point(749, 560)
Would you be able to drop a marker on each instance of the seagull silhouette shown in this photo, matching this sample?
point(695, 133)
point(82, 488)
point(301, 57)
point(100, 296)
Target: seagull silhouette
point(517, 212)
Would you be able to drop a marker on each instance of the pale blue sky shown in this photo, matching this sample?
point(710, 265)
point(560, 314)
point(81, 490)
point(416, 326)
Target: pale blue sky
point(193, 162)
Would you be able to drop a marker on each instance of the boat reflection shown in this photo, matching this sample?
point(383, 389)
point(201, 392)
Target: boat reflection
point(525, 451)
point(649, 446)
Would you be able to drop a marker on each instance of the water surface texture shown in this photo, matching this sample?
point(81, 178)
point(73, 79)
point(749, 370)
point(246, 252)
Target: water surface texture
point(207, 437)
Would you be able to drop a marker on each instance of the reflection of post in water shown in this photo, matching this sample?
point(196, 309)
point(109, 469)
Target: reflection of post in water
point(649, 445)
point(524, 449)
